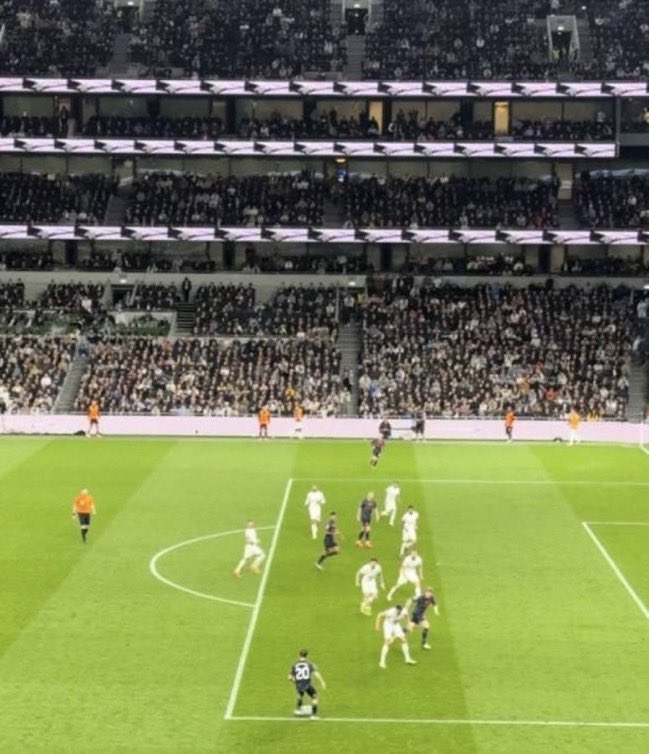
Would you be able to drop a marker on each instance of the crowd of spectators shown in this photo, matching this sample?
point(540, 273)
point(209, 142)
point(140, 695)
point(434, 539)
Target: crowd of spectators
point(233, 38)
point(35, 197)
point(57, 37)
point(605, 266)
point(26, 259)
point(319, 264)
point(213, 376)
point(612, 201)
point(483, 264)
point(73, 297)
point(597, 129)
point(460, 352)
point(620, 40)
point(450, 202)
point(272, 199)
point(150, 297)
point(458, 39)
point(32, 370)
point(35, 125)
point(294, 311)
point(12, 294)
point(189, 127)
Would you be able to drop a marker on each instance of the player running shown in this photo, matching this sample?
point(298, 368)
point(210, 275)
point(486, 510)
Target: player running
point(83, 508)
point(331, 546)
point(314, 503)
point(93, 419)
point(418, 615)
point(377, 448)
point(409, 524)
point(510, 420)
point(367, 577)
point(392, 620)
point(366, 510)
point(411, 572)
point(392, 493)
point(302, 674)
point(252, 552)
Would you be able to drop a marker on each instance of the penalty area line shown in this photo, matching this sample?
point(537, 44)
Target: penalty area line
point(616, 569)
point(450, 721)
point(254, 617)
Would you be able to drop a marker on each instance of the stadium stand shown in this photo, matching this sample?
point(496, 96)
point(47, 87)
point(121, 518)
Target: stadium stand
point(213, 377)
point(32, 370)
point(32, 197)
point(293, 311)
point(450, 202)
point(612, 200)
point(284, 198)
point(253, 38)
point(462, 352)
point(62, 37)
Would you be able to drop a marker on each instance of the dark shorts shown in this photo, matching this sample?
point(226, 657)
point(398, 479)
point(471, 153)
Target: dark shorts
point(420, 426)
point(308, 689)
point(330, 542)
point(94, 421)
point(417, 618)
point(376, 452)
point(84, 519)
point(366, 520)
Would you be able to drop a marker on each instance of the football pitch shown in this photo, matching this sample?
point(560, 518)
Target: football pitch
point(141, 641)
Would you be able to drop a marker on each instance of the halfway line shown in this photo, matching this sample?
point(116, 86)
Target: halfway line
point(243, 658)
point(443, 721)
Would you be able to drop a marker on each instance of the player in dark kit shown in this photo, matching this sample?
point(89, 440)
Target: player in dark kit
point(302, 675)
point(418, 615)
point(419, 427)
point(366, 510)
point(331, 546)
point(377, 449)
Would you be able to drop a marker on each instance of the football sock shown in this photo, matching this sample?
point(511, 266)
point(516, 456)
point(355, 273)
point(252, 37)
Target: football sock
point(322, 557)
point(384, 653)
point(406, 651)
point(84, 534)
point(424, 636)
point(314, 530)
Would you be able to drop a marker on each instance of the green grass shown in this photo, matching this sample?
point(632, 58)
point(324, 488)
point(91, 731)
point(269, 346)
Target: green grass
point(96, 655)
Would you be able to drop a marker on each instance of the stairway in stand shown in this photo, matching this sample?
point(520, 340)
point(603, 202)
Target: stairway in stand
point(185, 318)
point(349, 345)
point(66, 398)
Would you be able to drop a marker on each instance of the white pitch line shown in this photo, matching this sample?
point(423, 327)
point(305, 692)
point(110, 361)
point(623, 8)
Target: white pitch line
point(450, 721)
point(616, 570)
point(617, 523)
point(644, 450)
point(254, 617)
point(153, 567)
point(584, 482)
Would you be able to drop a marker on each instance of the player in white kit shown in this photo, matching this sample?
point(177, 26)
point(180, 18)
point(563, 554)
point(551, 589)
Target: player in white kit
point(314, 503)
point(409, 522)
point(370, 579)
point(411, 572)
point(251, 552)
point(392, 620)
point(390, 504)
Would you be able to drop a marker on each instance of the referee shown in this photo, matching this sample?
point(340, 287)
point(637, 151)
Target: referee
point(83, 508)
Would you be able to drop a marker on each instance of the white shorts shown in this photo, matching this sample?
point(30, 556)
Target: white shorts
point(369, 591)
point(315, 514)
point(409, 536)
point(390, 507)
point(408, 577)
point(393, 631)
point(252, 551)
